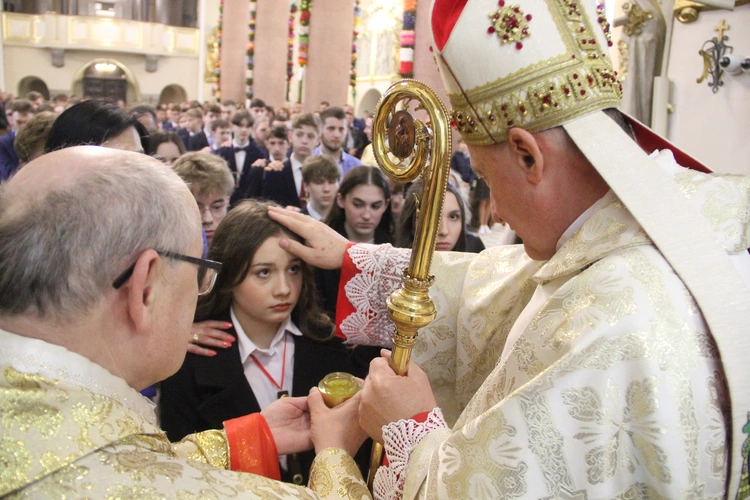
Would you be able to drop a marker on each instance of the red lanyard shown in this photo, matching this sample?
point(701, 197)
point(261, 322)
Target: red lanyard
point(268, 375)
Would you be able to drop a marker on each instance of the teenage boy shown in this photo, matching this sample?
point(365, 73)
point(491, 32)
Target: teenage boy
point(243, 154)
point(198, 141)
point(320, 177)
point(220, 136)
point(333, 138)
point(285, 186)
point(211, 183)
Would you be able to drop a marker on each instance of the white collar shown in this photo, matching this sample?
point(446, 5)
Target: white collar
point(312, 212)
point(248, 347)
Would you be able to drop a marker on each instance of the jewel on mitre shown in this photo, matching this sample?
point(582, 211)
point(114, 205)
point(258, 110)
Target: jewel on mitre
point(510, 24)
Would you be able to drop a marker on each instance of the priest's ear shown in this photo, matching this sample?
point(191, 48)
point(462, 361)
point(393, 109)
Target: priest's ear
point(140, 289)
point(527, 153)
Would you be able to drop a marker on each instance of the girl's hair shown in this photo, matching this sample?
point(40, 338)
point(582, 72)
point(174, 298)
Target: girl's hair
point(359, 176)
point(91, 122)
point(407, 222)
point(158, 138)
point(234, 244)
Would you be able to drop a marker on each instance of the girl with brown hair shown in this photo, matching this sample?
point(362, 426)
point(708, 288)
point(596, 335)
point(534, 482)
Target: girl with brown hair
point(285, 343)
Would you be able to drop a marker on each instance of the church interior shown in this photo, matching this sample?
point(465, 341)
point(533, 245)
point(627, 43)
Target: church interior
point(669, 54)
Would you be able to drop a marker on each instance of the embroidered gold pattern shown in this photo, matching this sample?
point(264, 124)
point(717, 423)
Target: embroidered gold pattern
point(617, 431)
point(488, 448)
point(510, 24)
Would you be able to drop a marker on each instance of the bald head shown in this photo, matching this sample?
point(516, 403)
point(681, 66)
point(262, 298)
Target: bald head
point(69, 219)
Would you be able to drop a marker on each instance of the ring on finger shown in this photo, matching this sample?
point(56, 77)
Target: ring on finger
point(196, 338)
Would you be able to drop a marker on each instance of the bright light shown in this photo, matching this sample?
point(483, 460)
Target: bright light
point(105, 67)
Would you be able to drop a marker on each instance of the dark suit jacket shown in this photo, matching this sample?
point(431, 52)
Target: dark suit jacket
point(8, 156)
point(183, 134)
point(277, 186)
point(246, 178)
point(197, 141)
point(207, 391)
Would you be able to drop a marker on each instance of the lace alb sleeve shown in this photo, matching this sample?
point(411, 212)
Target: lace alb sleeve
point(399, 440)
point(378, 274)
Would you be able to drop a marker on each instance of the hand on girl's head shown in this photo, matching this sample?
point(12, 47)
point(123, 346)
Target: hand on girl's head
point(324, 247)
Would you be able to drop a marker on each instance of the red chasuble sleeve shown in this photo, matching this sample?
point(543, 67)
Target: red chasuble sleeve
point(251, 446)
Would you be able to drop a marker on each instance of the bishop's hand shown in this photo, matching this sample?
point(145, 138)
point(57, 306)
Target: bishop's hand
point(388, 397)
point(324, 247)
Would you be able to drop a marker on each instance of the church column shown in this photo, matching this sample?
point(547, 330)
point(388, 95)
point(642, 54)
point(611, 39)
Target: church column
point(234, 49)
point(329, 53)
point(269, 63)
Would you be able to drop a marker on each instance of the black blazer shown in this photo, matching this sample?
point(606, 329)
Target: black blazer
point(279, 186)
point(207, 391)
point(248, 176)
point(197, 141)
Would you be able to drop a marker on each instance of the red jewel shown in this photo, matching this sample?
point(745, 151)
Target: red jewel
point(491, 30)
point(491, 117)
point(566, 90)
point(609, 43)
point(524, 31)
point(592, 42)
point(516, 10)
point(575, 76)
point(583, 42)
point(503, 107)
point(573, 56)
point(583, 92)
point(431, 48)
point(522, 108)
point(519, 45)
point(505, 37)
point(453, 124)
point(501, 3)
point(510, 122)
point(528, 17)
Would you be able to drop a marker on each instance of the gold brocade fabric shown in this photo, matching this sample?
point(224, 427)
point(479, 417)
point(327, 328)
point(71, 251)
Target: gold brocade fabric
point(609, 386)
point(70, 429)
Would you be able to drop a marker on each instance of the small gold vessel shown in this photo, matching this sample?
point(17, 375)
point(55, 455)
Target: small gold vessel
point(337, 387)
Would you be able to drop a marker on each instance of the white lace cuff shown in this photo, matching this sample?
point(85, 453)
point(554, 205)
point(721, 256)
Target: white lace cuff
point(399, 440)
point(380, 268)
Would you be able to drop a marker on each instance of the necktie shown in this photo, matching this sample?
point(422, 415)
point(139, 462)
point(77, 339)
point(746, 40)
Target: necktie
point(302, 196)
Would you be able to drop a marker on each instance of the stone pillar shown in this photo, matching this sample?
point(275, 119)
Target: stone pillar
point(329, 54)
point(269, 64)
point(234, 49)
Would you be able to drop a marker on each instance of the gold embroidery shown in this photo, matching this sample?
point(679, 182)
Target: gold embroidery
point(16, 464)
point(142, 465)
point(545, 440)
point(639, 491)
point(617, 429)
point(488, 448)
point(211, 448)
point(717, 406)
point(133, 492)
point(597, 295)
point(25, 406)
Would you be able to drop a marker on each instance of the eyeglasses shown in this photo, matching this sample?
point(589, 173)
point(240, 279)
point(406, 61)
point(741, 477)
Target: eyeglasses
point(217, 209)
point(208, 270)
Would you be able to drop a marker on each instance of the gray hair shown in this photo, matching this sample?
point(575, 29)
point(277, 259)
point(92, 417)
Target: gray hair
point(61, 251)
